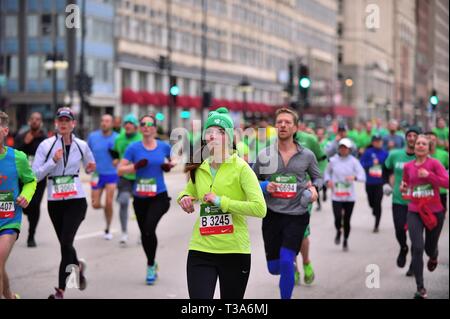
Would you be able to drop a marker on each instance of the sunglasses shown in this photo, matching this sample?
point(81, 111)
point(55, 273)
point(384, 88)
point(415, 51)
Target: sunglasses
point(147, 124)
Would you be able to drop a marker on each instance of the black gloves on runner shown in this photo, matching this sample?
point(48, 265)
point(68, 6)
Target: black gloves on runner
point(140, 164)
point(114, 154)
point(166, 167)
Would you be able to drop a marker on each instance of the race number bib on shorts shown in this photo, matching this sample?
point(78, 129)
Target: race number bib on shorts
point(94, 180)
point(64, 186)
point(146, 187)
point(423, 191)
point(375, 171)
point(7, 208)
point(288, 185)
point(342, 189)
point(214, 222)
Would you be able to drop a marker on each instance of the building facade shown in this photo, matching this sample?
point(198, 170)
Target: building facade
point(252, 40)
point(33, 33)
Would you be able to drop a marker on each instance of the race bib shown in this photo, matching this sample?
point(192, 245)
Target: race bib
point(64, 186)
point(423, 191)
point(94, 180)
point(342, 189)
point(214, 222)
point(146, 187)
point(288, 187)
point(7, 208)
point(375, 171)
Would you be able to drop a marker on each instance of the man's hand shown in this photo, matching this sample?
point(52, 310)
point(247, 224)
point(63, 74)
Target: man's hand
point(272, 187)
point(166, 167)
point(330, 185)
point(186, 203)
point(387, 189)
point(22, 202)
point(90, 167)
point(58, 155)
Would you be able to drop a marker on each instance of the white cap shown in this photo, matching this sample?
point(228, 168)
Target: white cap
point(346, 142)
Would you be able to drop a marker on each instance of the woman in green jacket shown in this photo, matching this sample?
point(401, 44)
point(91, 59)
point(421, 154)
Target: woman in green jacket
point(229, 191)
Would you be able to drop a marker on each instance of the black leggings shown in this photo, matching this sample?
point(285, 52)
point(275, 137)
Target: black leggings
point(33, 211)
point(347, 207)
point(66, 216)
point(148, 213)
point(430, 244)
point(400, 212)
point(375, 196)
point(203, 269)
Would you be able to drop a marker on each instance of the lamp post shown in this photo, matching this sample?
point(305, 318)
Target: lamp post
point(53, 64)
point(245, 87)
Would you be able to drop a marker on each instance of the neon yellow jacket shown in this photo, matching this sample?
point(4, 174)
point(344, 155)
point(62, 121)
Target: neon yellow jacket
point(241, 196)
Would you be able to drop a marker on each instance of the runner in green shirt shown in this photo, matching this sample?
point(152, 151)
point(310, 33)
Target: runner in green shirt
point(14, 166)
point(441, 132)
point(394, 166)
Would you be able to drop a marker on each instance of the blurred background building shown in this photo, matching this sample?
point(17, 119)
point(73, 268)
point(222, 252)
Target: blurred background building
point(179, 58)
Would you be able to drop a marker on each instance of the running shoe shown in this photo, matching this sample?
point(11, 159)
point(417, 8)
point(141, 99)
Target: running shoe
point(83, 281)
point(31, 243)
point(123, 239)
point(421, 294)
point(309, 274)
point(345, 245)
point(410, 271)
point(108, 235)
point(432, 264)
point(59, 294)
point(152, 274)
point(337, 239)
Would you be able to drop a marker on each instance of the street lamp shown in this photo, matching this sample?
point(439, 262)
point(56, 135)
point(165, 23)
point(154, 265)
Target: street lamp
point(55, 63)
point(245, 87)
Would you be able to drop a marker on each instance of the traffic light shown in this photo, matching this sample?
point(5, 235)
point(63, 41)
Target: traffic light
point(434, 99)
point(290, 84)
point(304, 83)
point(174, 90)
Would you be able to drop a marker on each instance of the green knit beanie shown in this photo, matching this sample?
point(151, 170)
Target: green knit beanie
point(221, 118)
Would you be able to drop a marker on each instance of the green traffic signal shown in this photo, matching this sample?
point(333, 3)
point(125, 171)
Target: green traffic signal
point(174, 90)
point(160, 116)
point(434, 100)
point(305, 83)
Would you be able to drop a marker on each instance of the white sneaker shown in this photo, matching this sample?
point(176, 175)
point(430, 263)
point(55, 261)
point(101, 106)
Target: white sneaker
point(123, 240)
point(107, 236)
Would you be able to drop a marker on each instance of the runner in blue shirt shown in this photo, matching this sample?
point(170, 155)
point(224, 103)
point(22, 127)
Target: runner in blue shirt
point(101, 142)
point(148, 159)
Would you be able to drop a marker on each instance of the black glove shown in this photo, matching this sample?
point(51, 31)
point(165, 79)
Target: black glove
point(166, 167)
point(140, 164)
point(114, 154)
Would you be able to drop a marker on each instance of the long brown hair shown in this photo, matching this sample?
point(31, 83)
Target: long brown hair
point(191, 166)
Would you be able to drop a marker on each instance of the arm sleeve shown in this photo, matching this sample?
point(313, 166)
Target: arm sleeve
point(438, 176)
point(41, 167)
point(88, 156)
point(314, 173)
point(254, 205)
point(360, 173)
point(26, 175)
point(366, 160)
point(189, 190)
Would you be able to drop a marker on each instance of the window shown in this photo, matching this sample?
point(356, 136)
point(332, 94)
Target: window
point(340, 29)
point(142, 81)
point(126, 78)
point(12, 66)
point(32, 25)
point(46, 24)
point(11, 26)
point(33, 66)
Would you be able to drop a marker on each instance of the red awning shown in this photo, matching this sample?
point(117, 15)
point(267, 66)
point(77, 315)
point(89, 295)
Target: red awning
point(161, 99)
point(148, 98)
point(344, 110)
point(131, 97)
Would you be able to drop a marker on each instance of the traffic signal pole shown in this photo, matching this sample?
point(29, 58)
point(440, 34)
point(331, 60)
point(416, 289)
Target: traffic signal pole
point(169, 60)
